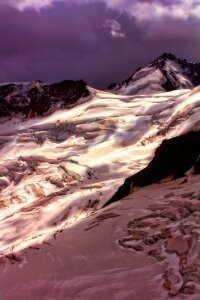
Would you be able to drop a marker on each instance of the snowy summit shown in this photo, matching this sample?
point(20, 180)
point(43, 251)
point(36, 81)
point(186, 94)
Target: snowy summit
point(166, 73)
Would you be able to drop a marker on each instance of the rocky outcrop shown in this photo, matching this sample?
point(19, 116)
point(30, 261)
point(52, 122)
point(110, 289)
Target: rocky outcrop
point(36, 98)
point(172, 160)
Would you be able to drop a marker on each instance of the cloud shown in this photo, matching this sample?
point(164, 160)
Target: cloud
point(65, 41)
point(153, 10)
point(68, 41)
point(141, 10)
point(114, 28)
point(157, 10)
point(24, 4)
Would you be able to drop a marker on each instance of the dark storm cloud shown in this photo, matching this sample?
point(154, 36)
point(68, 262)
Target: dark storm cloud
point(97, 42)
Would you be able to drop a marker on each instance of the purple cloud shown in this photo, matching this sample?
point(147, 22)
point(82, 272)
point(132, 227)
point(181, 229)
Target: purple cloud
point(141, 10)
point(88, 40)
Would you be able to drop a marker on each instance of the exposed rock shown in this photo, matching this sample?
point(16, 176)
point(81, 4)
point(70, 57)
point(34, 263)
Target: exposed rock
point(53, 179)
point(24, 99)
point(172, 160)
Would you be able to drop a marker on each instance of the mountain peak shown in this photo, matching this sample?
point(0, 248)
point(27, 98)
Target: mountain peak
point(166, 56)
point(162, 59)
point(166, 73)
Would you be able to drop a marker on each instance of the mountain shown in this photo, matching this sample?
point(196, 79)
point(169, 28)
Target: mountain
point(99, 191)
point(166, 73)
point(31, 99)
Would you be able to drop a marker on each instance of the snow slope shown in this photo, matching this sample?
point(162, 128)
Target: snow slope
point(57, 170)
point(166, 73)
point(104, 257)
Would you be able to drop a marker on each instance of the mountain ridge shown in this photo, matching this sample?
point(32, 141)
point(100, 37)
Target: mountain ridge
point(166, 73)
point(30, 99)
point(64, 161)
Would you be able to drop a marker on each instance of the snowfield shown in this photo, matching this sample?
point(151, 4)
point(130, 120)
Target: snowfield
point(56, 173)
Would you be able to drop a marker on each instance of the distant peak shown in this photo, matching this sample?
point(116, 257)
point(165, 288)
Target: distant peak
point(165, 73)
point(166, 56)
point(161, 60)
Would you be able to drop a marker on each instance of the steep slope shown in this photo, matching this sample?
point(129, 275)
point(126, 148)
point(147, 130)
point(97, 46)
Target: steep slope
point(173, 159)
point(166, 73)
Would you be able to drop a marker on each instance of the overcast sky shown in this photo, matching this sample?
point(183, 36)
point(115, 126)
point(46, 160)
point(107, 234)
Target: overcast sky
point(98, 41)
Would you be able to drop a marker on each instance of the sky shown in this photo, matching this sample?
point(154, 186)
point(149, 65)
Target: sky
point(99, 41)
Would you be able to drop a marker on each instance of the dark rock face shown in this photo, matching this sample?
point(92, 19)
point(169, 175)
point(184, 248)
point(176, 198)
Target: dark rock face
point(35, 98)
point(190, 70)
point(112, 86)
point(168, 85)
point(172, 160)
point(197, 167)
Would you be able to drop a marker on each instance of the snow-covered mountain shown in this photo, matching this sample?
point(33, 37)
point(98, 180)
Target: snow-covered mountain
point(166, 73)
point(31, 99)
point(99, 193)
